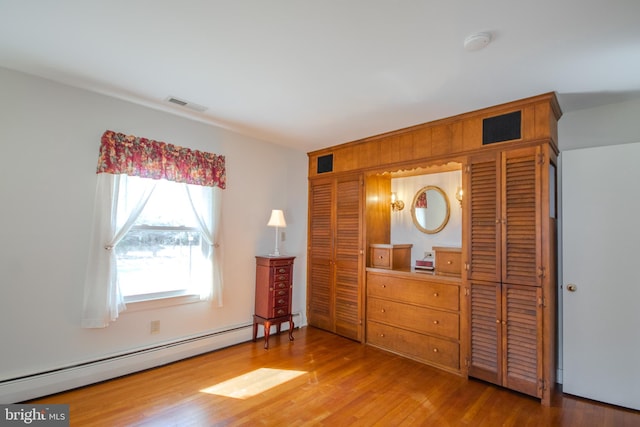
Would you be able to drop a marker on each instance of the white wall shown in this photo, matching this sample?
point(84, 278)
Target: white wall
point(402, 228)
point(609, 124)
point(49, 140)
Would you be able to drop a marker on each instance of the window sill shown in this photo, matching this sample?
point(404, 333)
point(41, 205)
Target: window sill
point(159, 302)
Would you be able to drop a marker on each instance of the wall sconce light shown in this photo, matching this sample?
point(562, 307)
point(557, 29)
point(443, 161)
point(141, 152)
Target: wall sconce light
point(277, 221)
point(396, 205)
point(459, 195)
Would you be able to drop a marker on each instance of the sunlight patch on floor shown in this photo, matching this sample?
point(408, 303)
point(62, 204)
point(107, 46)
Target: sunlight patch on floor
point(252, 383)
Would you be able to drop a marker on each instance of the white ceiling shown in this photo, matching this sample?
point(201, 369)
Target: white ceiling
point(314, 73)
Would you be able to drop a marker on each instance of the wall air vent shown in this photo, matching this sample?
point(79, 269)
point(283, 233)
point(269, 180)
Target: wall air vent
point(505, 127)
point(325, 164)
point(185, 104)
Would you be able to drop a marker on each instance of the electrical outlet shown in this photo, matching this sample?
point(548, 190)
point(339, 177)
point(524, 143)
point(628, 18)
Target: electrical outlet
point(283, 236)
point(155, 327)
point(428, 254)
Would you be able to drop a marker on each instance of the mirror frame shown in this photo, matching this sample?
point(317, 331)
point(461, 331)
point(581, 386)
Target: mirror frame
point(413, 210)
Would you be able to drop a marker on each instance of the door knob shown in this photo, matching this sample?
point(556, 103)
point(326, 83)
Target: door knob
point(571, 287)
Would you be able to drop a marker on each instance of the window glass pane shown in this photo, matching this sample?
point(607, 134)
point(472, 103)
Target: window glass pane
point(168, 205)
point(163, 251)
point(158, 260)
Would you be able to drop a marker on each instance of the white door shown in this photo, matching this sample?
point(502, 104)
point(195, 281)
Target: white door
point(601, 263)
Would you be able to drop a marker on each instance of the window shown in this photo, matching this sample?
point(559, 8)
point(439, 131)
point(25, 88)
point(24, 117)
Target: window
point(163, 253)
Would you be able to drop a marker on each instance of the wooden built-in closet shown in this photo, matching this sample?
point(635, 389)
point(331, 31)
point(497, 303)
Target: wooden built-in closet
point(507, 300)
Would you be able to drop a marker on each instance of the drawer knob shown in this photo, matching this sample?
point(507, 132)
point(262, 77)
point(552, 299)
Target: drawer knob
point(380, 257)
point(435, 322)
point(384, 286)
point(381, 335)
point(449, 262)
point(435, 350)
point(382, 311)
point(435, 294)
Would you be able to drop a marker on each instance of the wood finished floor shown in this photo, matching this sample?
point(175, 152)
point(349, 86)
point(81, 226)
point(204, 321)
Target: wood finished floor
point(343, 384)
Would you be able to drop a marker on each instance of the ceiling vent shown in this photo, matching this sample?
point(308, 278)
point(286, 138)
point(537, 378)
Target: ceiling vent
point(185, 104)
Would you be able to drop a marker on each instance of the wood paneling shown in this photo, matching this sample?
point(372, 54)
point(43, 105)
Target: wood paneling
point(457, 135)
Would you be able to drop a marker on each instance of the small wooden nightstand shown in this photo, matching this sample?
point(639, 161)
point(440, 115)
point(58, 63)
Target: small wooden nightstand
point(274, 286)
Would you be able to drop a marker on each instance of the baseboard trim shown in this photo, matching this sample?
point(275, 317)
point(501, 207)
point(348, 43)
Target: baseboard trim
point(79, 375)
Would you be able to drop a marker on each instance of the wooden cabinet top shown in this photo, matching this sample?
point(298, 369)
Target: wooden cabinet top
point(441, 139)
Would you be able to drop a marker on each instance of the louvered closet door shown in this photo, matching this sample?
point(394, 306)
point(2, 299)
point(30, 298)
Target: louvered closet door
point(485, 359)
point(483, 181)
point(320, 255)
point(522, 332)
point(521, 233)
point(348, 258)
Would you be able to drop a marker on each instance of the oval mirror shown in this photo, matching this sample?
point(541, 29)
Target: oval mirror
point(430, 209)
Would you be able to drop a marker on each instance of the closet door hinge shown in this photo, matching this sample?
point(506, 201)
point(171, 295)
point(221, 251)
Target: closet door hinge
point(541, 159)
point(542, 384)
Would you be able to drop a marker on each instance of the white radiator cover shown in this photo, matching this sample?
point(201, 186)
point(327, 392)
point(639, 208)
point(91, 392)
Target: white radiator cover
point(56, 381)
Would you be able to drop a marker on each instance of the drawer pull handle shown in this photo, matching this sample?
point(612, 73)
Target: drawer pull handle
point(435, 322)
point(435, 350)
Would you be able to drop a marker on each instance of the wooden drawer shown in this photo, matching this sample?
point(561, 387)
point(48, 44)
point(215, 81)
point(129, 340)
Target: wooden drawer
point(391, 257)
point(418, 319)
point(448, 261)
point(278, 286)
point(419, 292)
point(416, 346)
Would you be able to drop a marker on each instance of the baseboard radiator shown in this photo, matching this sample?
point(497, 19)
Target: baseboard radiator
point(66, 378)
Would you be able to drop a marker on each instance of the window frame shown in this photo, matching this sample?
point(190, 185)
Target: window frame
point(161, 298)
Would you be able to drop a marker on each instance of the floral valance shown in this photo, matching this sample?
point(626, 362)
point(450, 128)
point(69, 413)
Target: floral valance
point(131, 155)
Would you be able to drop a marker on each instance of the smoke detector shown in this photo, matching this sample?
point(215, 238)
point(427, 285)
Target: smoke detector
point(477, 41)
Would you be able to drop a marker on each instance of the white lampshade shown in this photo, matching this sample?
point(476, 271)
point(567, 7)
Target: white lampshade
point(277, 219)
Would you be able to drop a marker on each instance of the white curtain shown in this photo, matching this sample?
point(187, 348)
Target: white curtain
point(119, 201)
point(205, 202)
